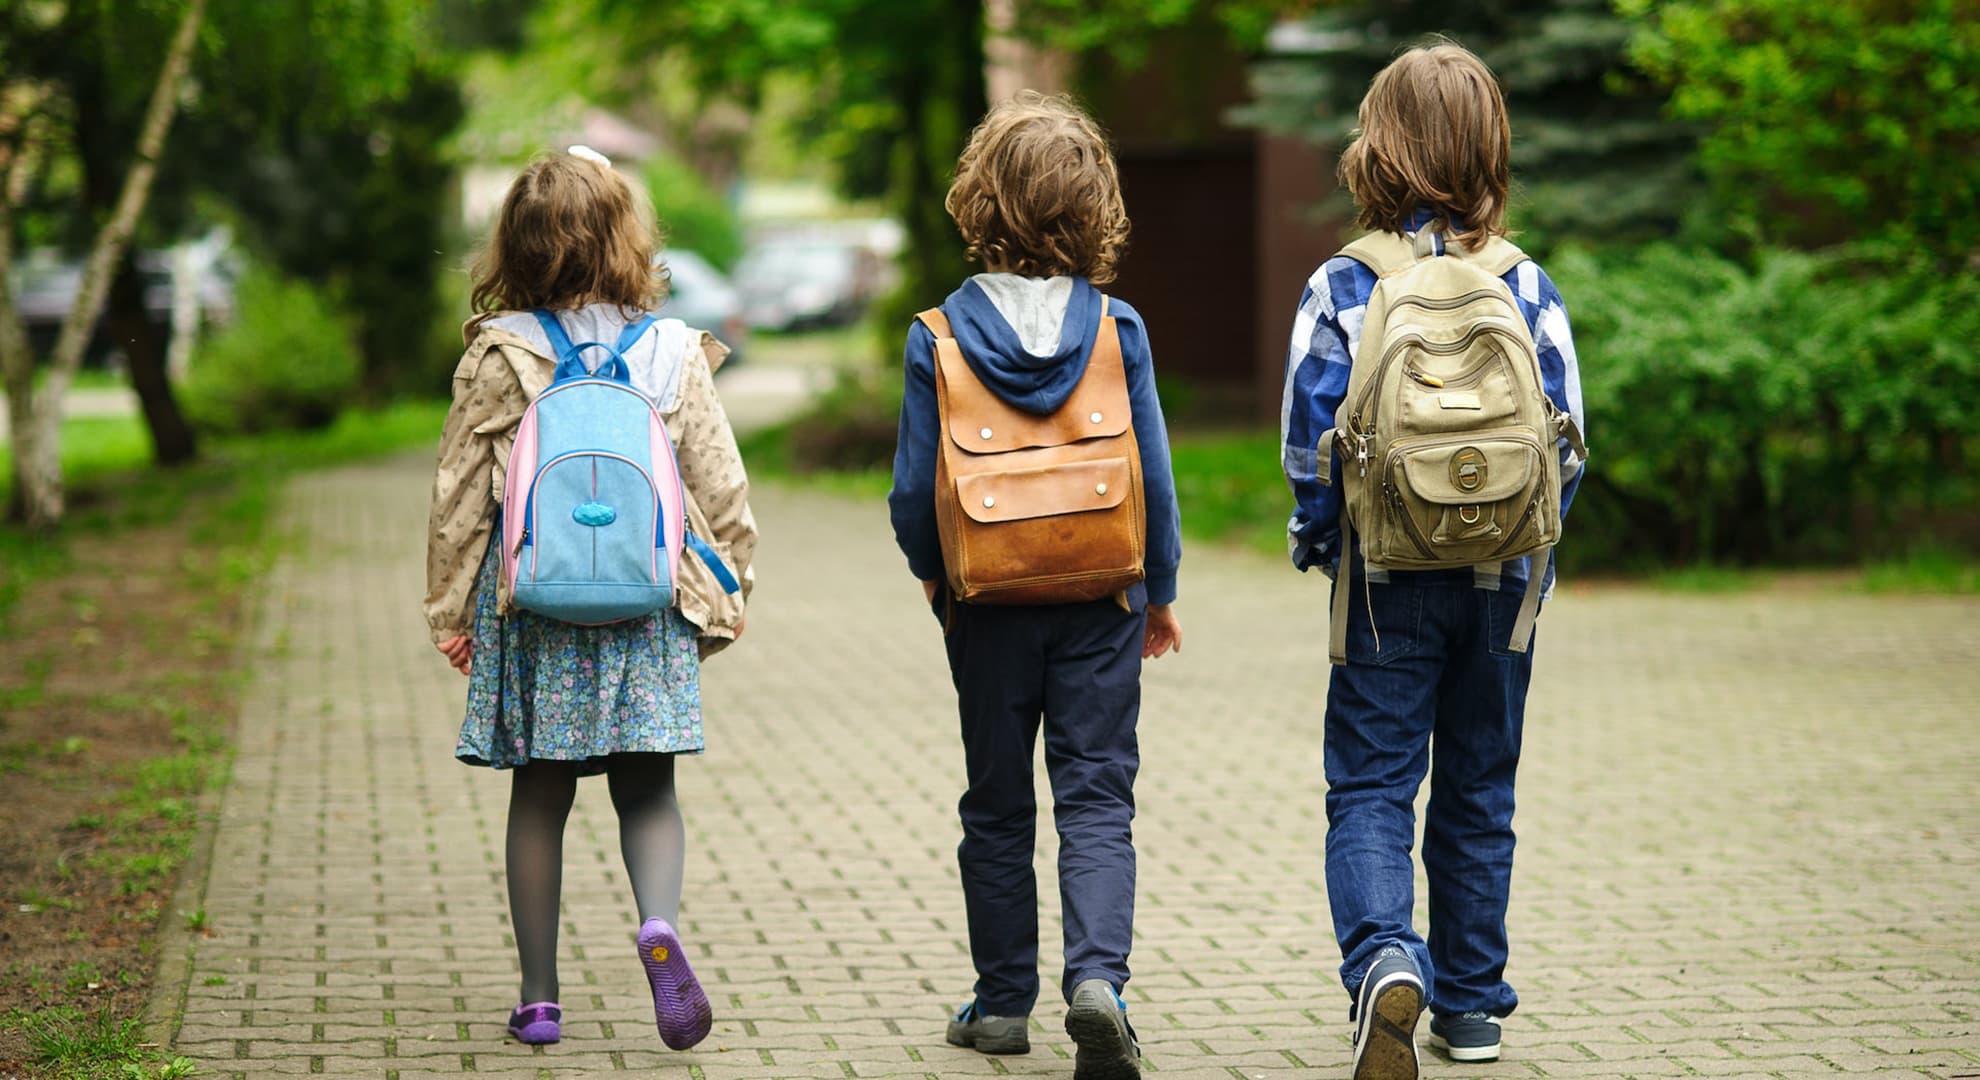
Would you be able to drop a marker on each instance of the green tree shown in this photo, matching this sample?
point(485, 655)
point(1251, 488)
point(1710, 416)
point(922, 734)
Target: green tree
point(78, 74)
point(1593, 156)
point(1828, 120)
point(27, 142)
point(896, 84)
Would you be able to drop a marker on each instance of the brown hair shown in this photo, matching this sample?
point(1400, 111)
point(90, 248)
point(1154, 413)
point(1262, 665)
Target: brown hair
point(1037, 193)
point(571, 232)
point(1432, 133)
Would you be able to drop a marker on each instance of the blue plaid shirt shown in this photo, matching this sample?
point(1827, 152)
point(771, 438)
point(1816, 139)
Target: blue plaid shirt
point(1325, 335)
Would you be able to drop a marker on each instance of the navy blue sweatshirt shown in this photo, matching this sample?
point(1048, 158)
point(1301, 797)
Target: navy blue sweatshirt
point(1037, 384)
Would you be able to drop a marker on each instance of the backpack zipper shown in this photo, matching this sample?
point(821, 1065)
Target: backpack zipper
point(1451, 304)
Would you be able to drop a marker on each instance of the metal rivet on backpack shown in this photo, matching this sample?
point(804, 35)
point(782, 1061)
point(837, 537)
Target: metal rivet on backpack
point(986, 433)
point(1095, 418)
point(1099, 489)
point(989, 502)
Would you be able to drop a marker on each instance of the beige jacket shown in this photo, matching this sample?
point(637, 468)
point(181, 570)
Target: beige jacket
point(498, 376)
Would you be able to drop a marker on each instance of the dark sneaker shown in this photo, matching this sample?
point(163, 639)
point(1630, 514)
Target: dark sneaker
point(536, 1024)
point(680, 1006)
point(1098, 1024)
point(1386, 1009)
point(972, 1030)
point(1472, 1036)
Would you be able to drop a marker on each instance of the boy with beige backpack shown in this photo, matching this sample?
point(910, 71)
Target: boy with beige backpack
point(1432, 440)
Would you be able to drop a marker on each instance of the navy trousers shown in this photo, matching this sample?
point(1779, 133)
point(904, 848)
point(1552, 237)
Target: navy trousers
point(1441, 675)
point(1077, 669)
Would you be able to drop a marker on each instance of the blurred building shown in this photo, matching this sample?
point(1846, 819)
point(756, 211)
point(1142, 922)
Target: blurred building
point(1226, 229)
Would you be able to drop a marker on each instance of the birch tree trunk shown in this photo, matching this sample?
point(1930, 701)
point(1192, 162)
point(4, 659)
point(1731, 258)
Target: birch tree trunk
point(37, 443)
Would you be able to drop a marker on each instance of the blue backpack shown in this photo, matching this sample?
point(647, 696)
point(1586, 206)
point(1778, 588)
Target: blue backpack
point(594, 517)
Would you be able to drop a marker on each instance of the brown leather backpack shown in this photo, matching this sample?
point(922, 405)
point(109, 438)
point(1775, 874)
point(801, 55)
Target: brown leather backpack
point(1037, 509)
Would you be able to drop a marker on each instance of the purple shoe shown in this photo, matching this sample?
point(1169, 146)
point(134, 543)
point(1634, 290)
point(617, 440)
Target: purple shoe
point(680, 1007)
point(537, 1024)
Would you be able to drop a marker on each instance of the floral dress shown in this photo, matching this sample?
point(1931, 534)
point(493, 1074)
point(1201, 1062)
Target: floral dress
point(543, 690)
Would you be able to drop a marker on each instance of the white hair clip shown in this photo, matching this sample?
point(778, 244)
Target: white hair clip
point(588, 154)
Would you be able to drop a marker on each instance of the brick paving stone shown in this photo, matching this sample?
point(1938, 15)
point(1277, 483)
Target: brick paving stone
point(1749, 835)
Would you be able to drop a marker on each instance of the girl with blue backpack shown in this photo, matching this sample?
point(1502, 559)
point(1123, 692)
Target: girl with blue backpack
point(589, 544)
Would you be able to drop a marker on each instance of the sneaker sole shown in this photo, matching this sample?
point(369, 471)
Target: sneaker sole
point(1390, 1053)
point(1464, 1053)
point(1105, 1051)
point(680, 1007)
point(1019, 1044)
point(541, 1033)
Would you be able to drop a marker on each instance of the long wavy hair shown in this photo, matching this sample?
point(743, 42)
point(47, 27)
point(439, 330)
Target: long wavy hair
point(1037, 192)
point(571, 232)
point(1432, 133)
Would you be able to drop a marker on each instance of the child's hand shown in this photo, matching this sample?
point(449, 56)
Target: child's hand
point(1164, 631)
point(459, 651)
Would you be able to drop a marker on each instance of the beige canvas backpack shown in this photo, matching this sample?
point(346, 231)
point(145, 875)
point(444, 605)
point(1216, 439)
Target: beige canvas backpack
point(1447, 438)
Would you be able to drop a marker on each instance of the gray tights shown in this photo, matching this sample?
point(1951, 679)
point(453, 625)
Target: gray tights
point(652, 838)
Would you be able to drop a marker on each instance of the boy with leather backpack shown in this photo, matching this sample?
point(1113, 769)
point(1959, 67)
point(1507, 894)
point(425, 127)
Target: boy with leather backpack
point(1032, 497)
point(1431, 433)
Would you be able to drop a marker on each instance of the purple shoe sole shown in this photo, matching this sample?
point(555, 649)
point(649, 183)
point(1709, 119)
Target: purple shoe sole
point(680, 1006)
point(536, 1025)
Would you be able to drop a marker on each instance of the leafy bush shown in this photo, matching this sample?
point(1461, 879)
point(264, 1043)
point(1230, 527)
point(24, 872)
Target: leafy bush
point(289, 361)
point(1813, 408)
point(692, 214)
point(1829, 119)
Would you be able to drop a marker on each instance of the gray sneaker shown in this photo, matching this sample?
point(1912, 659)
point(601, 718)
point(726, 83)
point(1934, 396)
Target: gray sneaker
point(972, 1030)
point(1472, 1036)
point(1098, 1024)
point(1386, 1009)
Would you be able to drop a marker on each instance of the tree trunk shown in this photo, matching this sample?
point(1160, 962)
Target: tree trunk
point(172, 440)
point(41, 470)
point(16, 360)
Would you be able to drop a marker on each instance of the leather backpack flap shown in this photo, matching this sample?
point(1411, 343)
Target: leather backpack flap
point(980, 422)
point(1042, 509)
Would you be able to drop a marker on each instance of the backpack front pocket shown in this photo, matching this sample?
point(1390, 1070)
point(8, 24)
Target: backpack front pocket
point(593, 518)
point(1464, 498)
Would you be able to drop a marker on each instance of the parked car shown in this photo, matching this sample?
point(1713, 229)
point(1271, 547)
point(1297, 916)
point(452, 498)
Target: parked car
point(699, 295)
point(46, 283)
point(795, 285)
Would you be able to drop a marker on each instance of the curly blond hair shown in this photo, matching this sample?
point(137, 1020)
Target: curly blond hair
point(1432, 133)
point(571, 232)
point(1037, 192)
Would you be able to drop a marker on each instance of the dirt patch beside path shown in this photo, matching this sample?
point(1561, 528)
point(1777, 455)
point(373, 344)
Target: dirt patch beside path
point(116, 689)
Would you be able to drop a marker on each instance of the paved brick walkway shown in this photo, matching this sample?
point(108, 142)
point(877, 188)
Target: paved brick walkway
point(1750, 824)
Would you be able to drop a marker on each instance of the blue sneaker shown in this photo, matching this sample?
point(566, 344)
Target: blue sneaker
point(972, 1030)
point(1386, 1009)
point(1472, 1036)
point(1098, 1024)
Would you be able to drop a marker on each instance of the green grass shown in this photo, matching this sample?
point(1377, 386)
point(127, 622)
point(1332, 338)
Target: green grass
point(111, 485)
point(1230, 488)
point(1926, 570)
point(78, 1045)
point(1708, 579)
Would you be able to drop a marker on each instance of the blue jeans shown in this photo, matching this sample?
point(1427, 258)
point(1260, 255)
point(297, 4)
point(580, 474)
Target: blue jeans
point(1442, 674)
point(1076, 668)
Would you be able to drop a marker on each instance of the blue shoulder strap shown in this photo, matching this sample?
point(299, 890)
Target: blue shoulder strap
point(560, 342)
point(723, 576)
point(632, 333)
point(570, 362)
